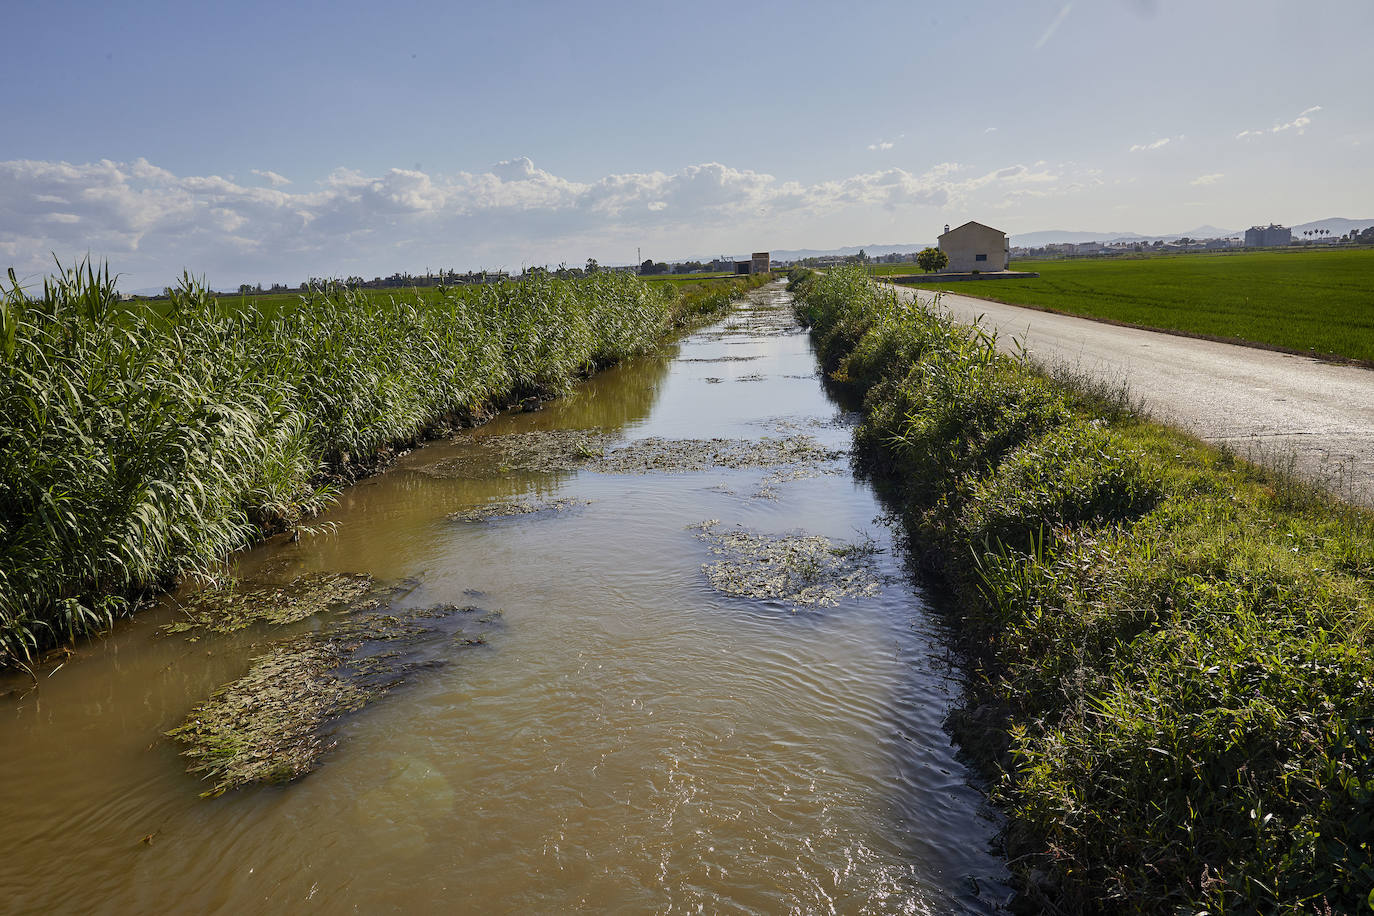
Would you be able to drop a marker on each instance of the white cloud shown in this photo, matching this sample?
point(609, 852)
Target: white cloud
point(1298, 124)
point(151, 222)
point(1054, 26)
point(1212, 178)
point(881, 146)
point(272, 177)
point(1155, 144)
point(989, 130)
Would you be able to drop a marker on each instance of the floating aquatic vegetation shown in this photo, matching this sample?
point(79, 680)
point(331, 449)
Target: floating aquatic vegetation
point(719, 359)
point(226, 609)
point(536, 451)
point(801, 570)
point(759, 321)
point(768, 486)
point(512, 508)
point(650, 455)
point(570, 449)
point(844, 419)
point(275, 723)
point(751, 377)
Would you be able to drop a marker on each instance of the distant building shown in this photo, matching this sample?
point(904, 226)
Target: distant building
point(757, 264)
point(974, 246)
point(1268, 236)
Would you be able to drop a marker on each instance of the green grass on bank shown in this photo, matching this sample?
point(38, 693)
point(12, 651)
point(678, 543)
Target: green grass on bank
point(1318, 301)
point(1171, 647)
point(143, 442)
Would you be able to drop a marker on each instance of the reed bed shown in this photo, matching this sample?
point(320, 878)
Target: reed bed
point(138, 446)
point(1173, 683)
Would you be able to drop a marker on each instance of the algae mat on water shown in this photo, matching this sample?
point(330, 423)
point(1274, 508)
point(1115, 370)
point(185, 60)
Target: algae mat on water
point(225, 610)
point(800, 570)
point(490, 512)
point(275, 723)
point(590, 449)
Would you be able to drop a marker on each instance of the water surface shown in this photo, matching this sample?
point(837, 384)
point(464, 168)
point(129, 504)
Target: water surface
point(628, 741)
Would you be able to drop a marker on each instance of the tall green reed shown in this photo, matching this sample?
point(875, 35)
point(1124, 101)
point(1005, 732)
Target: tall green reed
point(139, 445)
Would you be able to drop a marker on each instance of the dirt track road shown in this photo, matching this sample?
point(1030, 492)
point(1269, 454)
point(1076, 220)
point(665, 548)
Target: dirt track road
point(1272, 407)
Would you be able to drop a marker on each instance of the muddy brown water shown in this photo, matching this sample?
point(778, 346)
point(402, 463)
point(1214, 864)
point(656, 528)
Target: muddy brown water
point(629, 740)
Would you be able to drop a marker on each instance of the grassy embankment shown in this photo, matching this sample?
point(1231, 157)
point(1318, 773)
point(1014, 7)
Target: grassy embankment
point(1171, 647)
point(139, 444)
point(1301, 300)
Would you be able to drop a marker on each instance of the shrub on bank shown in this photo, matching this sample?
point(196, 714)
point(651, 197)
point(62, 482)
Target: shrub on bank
point(138, 444)
point(1175, 642)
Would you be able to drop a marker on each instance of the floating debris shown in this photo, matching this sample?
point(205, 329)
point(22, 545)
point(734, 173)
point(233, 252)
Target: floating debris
point(275, 723)
point(512, 508)
point(226, 609)
point(801, 570)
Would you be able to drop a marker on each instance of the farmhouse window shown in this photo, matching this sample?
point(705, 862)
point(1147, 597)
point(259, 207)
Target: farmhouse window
point(980, 257)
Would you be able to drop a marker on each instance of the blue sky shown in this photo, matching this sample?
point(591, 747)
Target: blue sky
point(269, 142)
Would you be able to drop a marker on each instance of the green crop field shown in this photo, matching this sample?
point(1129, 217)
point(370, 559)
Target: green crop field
point(272, 303)
point(680, 279)
point(1318, 301)
point(894, 270)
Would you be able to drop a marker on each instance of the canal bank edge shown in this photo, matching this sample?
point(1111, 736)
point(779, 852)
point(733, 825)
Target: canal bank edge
point(1172, 685)
point(144, 446)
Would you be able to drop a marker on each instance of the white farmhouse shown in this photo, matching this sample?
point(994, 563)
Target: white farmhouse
point(974, 246)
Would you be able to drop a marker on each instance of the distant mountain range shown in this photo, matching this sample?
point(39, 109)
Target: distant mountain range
point(1336, 225)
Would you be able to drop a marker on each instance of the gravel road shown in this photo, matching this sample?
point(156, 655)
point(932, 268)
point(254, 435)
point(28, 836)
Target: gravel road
point(1275, 408)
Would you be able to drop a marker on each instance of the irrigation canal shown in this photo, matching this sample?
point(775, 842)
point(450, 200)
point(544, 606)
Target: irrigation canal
point(667, 715)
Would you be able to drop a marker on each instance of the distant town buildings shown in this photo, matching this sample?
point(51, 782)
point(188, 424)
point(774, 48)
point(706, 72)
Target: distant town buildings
point(974, 246)
point(1055, 250)
point(1269, 236)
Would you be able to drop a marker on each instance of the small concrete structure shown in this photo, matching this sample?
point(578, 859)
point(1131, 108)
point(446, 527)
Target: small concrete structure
point(757, 264)
point(974, 246)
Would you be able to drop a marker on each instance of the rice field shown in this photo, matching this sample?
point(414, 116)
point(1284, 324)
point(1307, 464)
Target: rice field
point(1320, 302)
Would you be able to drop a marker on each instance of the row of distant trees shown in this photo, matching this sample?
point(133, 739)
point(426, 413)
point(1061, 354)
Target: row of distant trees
point(651, 266)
